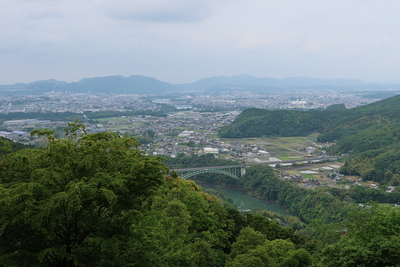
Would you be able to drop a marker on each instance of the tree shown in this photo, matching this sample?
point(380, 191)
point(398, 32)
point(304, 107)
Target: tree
point(247, 240)
point(74, 202)
point(150, 134)
point(372, 240)
point(253, 249)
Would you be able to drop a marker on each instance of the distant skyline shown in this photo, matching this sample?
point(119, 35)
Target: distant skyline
point(181, 41)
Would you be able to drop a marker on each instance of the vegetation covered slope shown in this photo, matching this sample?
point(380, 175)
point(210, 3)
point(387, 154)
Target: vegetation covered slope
point(328, 204)
point(370, 134)
point(258, 122)
point(346, 233)
point(97, 200)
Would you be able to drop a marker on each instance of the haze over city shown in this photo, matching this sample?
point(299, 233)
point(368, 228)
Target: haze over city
point(182, 41)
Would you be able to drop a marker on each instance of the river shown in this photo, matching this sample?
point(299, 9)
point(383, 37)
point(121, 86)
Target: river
point(242, 201)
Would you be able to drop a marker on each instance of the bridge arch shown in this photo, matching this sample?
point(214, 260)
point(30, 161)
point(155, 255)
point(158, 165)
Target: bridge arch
point(235, 172)
point(191, 174)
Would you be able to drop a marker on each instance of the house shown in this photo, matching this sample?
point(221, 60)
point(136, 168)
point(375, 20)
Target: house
point(390, 189)
point(4, 134)
point(15, 134)
point(285, 174)
point(373, 186)
point(210, 150)
point(262, 154)
point(298, 177)
point(20, 133)
point(185, 133)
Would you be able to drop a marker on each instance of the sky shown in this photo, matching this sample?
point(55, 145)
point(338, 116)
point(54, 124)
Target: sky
point(181, 41)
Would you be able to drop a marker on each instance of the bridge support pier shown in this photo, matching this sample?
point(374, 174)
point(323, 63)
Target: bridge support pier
point(242, 171)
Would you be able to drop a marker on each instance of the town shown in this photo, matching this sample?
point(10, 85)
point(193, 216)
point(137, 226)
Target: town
point(188, 126)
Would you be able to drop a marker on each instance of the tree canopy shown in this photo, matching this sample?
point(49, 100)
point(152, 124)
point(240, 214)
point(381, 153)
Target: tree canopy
point(368, 134)
point(97, 200)
point(73, 202)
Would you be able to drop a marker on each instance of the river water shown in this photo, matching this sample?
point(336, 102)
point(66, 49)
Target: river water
point(242, 201)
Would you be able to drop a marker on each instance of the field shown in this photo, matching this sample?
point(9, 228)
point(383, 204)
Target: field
point(287, 148)
point(284, 148)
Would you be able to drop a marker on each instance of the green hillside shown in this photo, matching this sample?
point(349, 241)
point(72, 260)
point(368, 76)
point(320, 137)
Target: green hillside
point(370, 134)
point(99, 201)
point(258, 122)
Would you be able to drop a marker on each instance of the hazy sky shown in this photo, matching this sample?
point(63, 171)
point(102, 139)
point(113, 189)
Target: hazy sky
point(181, 41)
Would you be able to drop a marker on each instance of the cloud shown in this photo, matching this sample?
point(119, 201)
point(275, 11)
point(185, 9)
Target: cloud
point(188, 39)
point(162, 11)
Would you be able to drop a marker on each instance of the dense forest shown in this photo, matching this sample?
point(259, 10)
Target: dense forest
point(258, 122)
point(341, 231)
point(97, 200)
point(6, 146)
point(369, 134)
point(328, 204)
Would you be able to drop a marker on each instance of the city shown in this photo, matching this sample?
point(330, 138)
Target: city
point(189, 125)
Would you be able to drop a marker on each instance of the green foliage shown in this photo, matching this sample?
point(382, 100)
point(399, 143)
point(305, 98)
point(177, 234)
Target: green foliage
point(252, 249)
point(49, 134)
point(144, 140)
point(257, 122)
point(346, 234)
point(97, 200)
point(306, 204)
point(271, 229)
point(74, 130)
point(247, 240)
point(336, 107)
point(183, 226)
point(73, 203)
point(372, 240)
point(194, 161)
point(370, 133)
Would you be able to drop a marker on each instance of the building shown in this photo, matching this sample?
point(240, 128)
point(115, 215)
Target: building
point(186, 133)
point(210, 150)
point(262, 154)
point(28, 121)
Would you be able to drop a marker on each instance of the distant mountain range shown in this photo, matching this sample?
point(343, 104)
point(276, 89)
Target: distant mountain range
point(137, 84)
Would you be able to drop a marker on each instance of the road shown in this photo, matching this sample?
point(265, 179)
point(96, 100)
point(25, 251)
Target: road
point(268, 163)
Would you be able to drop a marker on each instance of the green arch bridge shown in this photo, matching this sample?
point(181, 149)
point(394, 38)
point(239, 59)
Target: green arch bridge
point(233, 171)
point(237, 171)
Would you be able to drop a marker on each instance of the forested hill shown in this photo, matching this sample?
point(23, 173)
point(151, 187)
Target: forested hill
point(258, 122)
point(98, 200)
point(255, 122)
point(370, 133)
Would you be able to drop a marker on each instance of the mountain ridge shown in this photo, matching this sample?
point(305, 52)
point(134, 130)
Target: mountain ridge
point(139, 84)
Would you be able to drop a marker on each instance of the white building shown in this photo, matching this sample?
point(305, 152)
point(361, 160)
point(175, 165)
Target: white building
point(262, 154)
point(27, 121)
point(210, 150)
point(186, 133)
